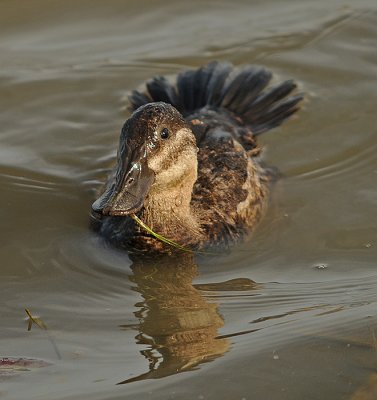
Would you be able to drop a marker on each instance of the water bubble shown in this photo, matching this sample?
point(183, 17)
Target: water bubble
point(320, 266)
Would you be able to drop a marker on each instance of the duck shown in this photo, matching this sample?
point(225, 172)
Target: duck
point(188, 162)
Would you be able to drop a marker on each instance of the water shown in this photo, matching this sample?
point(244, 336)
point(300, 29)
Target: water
point(289, 315)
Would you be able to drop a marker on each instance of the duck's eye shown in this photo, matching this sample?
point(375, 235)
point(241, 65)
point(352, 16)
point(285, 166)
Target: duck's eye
point(164, 133)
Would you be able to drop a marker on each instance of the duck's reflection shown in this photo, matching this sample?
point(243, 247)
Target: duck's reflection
point(177, 323)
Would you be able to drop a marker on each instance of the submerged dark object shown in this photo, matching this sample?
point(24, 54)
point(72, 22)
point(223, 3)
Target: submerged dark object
point(188, 162)
point(10, 366)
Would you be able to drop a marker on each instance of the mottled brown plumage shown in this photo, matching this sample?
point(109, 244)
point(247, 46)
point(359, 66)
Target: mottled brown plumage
point(188, 161)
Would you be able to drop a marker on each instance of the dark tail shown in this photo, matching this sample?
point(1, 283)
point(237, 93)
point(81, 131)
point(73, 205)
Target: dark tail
point(220, 85)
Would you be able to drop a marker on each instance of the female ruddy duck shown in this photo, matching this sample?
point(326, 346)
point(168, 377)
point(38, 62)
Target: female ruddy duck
point(188, 164)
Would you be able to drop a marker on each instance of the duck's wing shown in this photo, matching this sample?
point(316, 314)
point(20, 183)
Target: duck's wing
point(231, 188)
point(243, 93)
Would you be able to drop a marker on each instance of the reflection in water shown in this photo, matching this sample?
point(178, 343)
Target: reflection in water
point(368, 391)
point(176, 321)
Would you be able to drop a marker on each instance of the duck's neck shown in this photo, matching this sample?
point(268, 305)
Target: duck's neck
point(168, 212)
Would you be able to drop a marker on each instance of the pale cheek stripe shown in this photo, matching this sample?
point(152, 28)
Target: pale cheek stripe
point(169, 155)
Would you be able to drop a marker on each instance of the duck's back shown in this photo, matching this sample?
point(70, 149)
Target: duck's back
point(227, 109)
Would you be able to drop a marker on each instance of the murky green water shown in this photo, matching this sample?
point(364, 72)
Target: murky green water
point(291, 314)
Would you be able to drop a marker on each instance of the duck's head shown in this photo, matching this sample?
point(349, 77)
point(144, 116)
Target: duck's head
point(157, 153)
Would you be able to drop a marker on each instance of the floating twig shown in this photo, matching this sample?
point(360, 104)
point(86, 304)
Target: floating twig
point(158, 236)
point(38, 321)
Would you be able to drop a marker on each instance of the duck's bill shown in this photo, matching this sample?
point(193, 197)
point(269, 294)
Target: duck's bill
point(127, 192)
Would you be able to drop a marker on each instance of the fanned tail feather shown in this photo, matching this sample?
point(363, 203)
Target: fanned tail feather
point(244, 92)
